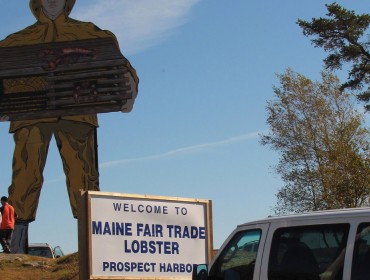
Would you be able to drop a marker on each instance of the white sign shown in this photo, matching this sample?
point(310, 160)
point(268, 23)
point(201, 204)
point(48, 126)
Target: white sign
point(147, 237)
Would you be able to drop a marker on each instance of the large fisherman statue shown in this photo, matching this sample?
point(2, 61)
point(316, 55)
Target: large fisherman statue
point(75, 135)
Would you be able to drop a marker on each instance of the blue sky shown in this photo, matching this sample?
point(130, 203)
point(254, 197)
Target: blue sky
point(206, 69)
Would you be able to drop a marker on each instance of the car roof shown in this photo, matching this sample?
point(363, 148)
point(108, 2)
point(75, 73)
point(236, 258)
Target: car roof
point(38, 245)
point(327, 214)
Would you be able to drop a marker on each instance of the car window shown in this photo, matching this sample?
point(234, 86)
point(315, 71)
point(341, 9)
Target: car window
point(361, 253)
point(40, 252)
point(308, 252)
point(238, 258)
point(58, 252)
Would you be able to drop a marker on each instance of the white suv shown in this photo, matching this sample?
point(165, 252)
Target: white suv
point(327, 245)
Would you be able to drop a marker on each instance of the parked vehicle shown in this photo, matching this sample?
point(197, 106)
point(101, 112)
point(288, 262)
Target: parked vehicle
point(326, 245)
point(44, 250)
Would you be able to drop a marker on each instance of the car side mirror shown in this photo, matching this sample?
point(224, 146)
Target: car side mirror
point(200, 272)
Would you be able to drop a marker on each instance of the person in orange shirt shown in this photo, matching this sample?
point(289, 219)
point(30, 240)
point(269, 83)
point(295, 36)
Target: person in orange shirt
point(7, 224)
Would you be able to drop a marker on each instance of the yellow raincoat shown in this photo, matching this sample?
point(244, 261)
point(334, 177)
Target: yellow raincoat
point(62, 29)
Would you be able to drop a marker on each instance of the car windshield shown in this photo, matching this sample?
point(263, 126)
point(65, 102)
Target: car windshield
point(40, 252)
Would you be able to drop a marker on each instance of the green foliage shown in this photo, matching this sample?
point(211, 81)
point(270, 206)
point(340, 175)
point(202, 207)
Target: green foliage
point(324, 148)
point(342, 35)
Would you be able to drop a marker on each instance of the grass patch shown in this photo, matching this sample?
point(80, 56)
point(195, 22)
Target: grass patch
point(26, 267)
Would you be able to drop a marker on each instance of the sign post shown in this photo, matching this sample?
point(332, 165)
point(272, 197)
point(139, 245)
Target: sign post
point(125, 236)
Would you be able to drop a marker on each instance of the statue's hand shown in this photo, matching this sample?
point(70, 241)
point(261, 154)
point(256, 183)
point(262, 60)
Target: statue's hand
point(127, 107)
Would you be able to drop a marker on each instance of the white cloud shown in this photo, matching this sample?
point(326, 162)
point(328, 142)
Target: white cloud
point(177, 152)
point(186, 150)
point(138, 24)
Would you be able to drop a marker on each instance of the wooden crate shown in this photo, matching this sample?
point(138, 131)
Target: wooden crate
point(62, 79)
